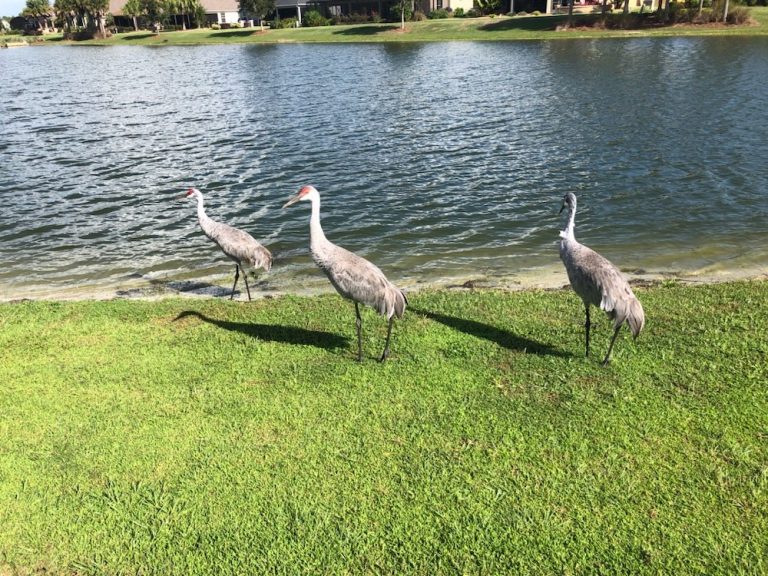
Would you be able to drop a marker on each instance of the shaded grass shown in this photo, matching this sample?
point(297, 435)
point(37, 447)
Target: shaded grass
point(206, 436)
point(365, 30)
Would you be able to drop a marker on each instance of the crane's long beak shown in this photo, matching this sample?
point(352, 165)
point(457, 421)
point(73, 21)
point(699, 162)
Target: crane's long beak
point(292, 201)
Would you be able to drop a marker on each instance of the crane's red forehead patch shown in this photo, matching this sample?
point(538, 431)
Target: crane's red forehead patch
point(305, 190)
point(190, 191)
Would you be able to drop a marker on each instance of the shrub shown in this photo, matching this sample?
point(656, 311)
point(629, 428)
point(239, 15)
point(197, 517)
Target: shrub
point(459, 12)
point(738, 15)
point(215, 26)
point(676, 13)
point(285, 23)
point(313, 18)
point(418, 16)
point(631, 21)
point(707, 15)
point(438, 14)
point(488, 6)
point(473, 13)
point(394, 12)
point(355, 18)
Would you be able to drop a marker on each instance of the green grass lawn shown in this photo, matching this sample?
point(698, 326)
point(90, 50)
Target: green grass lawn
point(499, 28)
point(203, 436)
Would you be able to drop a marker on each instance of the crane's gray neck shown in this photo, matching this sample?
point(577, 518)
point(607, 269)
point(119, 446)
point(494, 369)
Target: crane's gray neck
point(316, 234)
point(201, 215)
point(568, 232)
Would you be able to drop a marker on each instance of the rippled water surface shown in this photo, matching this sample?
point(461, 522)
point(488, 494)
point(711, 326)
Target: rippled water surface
point(439, 162)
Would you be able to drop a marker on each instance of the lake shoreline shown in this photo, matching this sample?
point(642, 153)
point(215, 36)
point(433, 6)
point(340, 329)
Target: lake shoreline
point(484, 28)
point(219, 287)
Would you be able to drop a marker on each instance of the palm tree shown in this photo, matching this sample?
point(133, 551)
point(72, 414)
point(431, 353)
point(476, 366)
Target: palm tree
point(40, 10)
point(134, 9)
point(173, 8)
point(187, 7)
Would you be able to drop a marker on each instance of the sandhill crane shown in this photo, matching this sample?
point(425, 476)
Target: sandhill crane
point(236, 244)
point(598, 282)
point(353, 276)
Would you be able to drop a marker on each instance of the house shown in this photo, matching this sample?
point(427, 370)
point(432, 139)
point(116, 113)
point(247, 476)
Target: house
point(293, 8)
point(221, 11)
point(216, 12)
point(36, 25)
point(363, 8)
point(428, 6)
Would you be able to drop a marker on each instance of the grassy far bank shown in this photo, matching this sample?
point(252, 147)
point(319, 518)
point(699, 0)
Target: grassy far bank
point(205, 436)
point(499, 28)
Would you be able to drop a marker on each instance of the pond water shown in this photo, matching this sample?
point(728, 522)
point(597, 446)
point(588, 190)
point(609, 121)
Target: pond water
point(439, 162)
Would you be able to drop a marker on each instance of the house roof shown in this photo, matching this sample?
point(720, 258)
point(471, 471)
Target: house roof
point(210, 6)
point(220, 5)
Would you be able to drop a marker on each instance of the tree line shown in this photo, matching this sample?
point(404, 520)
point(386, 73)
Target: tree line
point(81, 19)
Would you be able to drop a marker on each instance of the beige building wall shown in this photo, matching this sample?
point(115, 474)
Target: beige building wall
point(429, 5)
point(465, 4)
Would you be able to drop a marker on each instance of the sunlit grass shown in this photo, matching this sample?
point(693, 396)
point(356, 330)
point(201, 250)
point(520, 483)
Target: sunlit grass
point(212, 437)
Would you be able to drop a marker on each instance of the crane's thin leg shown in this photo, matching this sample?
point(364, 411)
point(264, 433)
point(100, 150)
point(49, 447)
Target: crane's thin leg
point(237, 274)
point(586, 328)
point(359, 324)
point(610, 347)
point(245, 277)
point(385, 354)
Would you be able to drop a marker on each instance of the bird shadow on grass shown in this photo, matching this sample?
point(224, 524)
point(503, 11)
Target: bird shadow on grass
point(274, 333)
point(503, 338)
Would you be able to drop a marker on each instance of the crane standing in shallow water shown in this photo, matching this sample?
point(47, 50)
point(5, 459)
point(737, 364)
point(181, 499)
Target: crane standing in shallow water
point(236, 244)
point(353, 276)
point(598, 282)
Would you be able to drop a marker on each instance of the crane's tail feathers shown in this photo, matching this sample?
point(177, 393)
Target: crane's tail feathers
point(635, 317)
point(400, 303)
point(261, 258)
point(394, 302)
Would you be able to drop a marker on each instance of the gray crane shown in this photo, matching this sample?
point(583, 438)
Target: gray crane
point(353, 276)
point(236, 244)
point(598, 282)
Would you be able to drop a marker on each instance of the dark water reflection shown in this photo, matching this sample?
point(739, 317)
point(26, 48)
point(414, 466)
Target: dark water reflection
point(437, 161)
